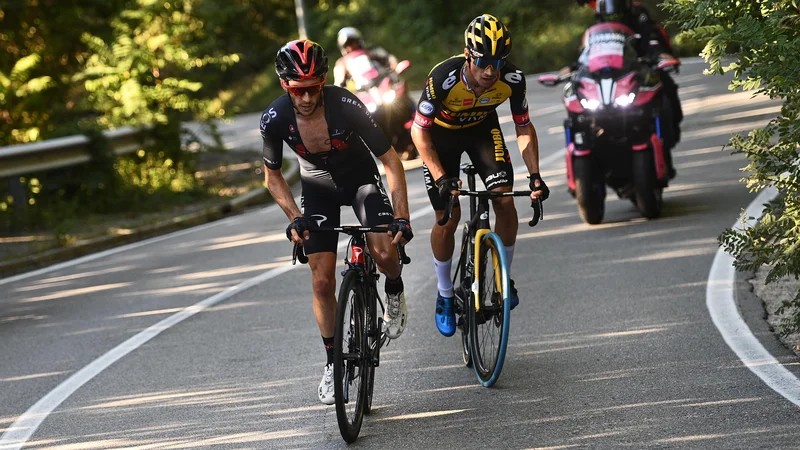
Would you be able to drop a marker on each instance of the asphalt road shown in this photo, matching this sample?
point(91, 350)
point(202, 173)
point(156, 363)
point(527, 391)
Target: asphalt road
point(611, 347)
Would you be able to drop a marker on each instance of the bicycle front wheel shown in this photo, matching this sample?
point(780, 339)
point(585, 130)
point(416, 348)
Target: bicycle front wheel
point(350, 369)
point(490, 310)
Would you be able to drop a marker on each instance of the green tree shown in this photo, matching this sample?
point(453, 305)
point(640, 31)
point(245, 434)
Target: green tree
point(763, 38)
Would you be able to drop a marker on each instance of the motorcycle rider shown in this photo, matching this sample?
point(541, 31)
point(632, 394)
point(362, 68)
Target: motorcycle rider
point(653, 41)
point(350, 40)
point(349, 71)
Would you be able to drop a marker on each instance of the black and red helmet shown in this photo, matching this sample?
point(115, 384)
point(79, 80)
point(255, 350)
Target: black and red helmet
point(300, 60)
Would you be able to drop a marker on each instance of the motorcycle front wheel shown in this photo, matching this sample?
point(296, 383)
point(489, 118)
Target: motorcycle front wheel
point(589, 190)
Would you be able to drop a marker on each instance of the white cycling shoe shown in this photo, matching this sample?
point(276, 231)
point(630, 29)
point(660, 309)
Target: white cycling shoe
point(326, 386)
point(396, 317)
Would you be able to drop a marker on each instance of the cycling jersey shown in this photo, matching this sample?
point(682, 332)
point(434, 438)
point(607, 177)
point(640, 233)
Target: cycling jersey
point(448, 101)
point(344, 175)
point(353, 134)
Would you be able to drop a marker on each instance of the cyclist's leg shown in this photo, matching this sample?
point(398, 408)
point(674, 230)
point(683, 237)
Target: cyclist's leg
point(449, 150)
point(373, 208)
point(490, 156)
point(443, 236)
point(322, 208)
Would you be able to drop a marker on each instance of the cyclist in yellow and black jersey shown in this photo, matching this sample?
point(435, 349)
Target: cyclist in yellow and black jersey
point(456, 114)
point(449, 102)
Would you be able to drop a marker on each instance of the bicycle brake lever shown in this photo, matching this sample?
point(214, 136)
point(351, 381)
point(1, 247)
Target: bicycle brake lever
point(538, 212)
point(404, 259)
point(298, 254)
point(448, 212)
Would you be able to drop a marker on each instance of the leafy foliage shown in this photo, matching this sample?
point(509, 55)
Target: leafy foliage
point(763, 37)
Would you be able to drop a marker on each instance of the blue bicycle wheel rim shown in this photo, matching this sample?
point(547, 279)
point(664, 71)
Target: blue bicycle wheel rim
point(503, 344)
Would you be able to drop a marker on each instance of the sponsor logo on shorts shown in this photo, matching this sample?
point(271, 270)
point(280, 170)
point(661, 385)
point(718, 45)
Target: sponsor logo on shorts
point(319, 218)
point(499, 145)
point(385, 214)
point(494, 176)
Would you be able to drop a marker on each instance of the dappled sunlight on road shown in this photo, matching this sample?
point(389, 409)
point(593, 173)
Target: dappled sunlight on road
point(81, 275)
point(32, 377)
point(734, 401)
point(722, 130)
point(237, 270)
point(259, 239)
point(167, 270)
point(669, 254)
point(425, 415)
point(718, 102)
point(76, 292)
point(204, 287)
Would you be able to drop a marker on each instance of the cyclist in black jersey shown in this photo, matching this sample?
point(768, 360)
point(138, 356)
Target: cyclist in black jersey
point(332, 134)
point(457, 113)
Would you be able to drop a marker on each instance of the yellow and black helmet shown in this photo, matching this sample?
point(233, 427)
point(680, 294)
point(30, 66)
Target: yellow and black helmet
point(487, 37)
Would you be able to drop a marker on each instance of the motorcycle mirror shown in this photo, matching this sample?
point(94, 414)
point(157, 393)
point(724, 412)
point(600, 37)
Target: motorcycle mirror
point(548, 80)
point(402, 66)
point(669, 65)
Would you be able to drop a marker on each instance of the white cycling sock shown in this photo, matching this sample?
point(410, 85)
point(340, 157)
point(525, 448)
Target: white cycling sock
point(510, 254)
point(445, 284)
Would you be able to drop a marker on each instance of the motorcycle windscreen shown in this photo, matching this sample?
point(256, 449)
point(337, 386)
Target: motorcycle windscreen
point(606, 46)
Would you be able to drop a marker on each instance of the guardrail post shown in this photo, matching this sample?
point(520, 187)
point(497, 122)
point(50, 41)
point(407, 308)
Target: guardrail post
point(17, 191)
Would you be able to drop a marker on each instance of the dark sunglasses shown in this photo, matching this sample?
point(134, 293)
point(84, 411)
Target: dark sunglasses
point(299, 91)
point(483, 63)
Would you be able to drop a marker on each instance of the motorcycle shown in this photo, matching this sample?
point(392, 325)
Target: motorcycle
point(385, 95)
point(617, 122)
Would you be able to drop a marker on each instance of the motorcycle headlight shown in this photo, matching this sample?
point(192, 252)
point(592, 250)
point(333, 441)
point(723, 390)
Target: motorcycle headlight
point(590, 104)
point(371, 107)
point(625, 100)
point(389, 97)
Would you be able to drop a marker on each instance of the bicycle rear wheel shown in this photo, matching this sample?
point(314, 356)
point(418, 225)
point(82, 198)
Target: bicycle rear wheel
point(350, 370)
point(490, 318)
point(462, 281)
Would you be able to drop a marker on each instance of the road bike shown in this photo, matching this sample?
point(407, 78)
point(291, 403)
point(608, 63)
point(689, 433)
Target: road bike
point(482, 303)
point(359, 334)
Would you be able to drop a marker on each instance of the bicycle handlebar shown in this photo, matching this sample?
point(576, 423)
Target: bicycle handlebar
point(538, 210)
point(298, 254)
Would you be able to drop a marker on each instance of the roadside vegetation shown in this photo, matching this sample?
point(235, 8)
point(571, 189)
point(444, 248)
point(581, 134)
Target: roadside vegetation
point(759, 42)
point(82, 66)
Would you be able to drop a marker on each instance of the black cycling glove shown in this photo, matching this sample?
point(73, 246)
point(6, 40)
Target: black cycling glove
point(402, 226)
point(542, 187)
point(299, 224)
point(445, 186)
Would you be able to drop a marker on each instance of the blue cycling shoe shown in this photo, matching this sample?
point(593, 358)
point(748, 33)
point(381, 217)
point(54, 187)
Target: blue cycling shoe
point(514, 296)
point(445, 316)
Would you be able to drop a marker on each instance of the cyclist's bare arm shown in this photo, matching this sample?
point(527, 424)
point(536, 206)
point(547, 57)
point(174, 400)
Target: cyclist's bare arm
point(282, 193)
point(528, 144)
point(424, 143)
point(396, 179)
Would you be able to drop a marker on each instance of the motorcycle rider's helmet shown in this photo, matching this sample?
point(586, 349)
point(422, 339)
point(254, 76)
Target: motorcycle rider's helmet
point(349, 34)
point(487, 37)
point(300, 60)
point(613, 10)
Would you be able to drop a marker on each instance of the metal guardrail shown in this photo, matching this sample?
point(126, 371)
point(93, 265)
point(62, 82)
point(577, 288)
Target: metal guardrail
point(56, 153)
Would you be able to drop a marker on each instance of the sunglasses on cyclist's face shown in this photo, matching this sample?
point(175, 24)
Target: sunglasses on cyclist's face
point(299, 91)
point(483, 63)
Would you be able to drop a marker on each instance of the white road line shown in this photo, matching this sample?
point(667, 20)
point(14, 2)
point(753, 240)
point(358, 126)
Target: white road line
point(23, 428)
point(726, 317)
